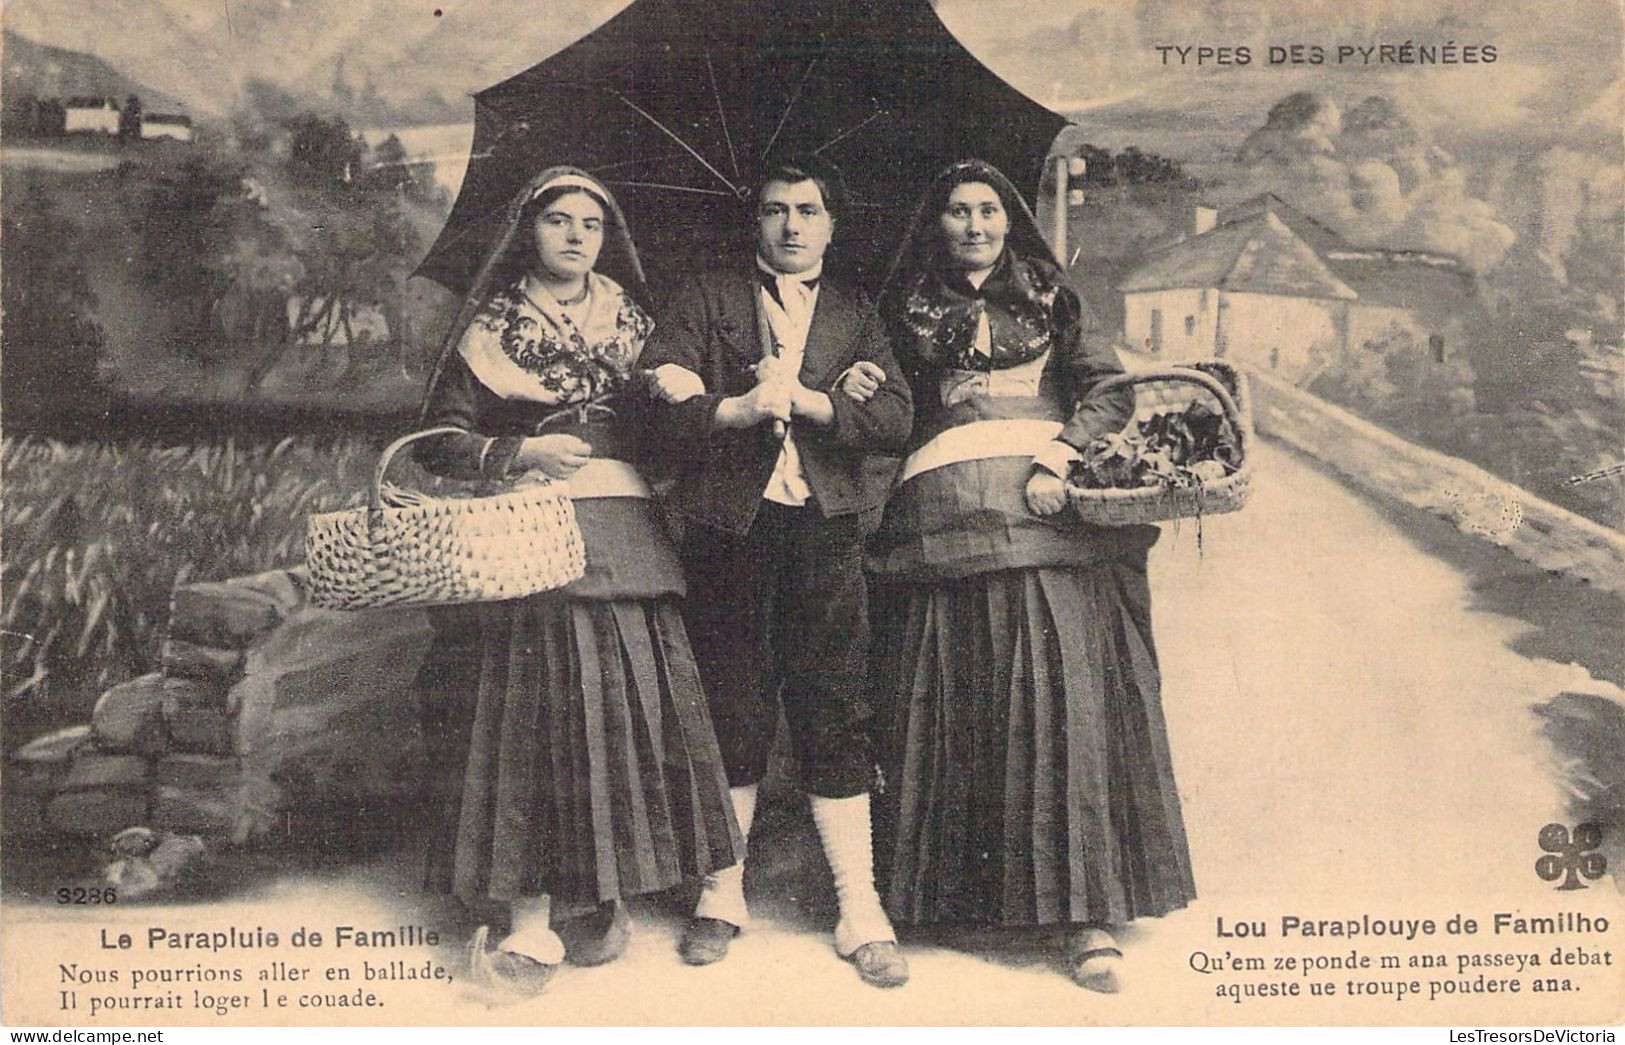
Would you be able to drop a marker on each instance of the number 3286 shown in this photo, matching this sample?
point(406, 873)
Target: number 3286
point(90, 895)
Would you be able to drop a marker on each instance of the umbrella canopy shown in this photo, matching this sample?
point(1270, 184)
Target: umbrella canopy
point(673, 104)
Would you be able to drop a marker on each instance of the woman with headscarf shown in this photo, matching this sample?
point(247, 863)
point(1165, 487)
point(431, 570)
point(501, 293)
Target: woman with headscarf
point(1028, 774)
point(580, 762)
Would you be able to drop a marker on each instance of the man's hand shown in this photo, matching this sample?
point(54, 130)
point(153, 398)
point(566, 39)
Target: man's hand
point(811, 405)
point(805, 403)
point(767, 401)
point(773, 370)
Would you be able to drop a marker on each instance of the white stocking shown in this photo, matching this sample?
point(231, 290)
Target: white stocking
point(532, 936)
point(722, 895)
point(843, 825)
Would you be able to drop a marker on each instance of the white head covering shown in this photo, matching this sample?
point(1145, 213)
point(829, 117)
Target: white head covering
point(569, 181)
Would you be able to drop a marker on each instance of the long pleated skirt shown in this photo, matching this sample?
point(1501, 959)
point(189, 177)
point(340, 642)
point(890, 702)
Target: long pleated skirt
point(1028, 774)
point(578, 755)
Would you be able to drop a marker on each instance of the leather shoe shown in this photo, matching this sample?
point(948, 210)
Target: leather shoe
point(506, 972)
point(598, 938)
point(1094, 961)
point(705, 940)
point(880, 964)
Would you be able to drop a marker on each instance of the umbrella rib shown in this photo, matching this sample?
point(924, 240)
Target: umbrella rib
point(844, 135)
point(716, 93)
point(790, 105)
point(634, 162)
point(673, 188)
point(509, 124)
point(630, 104)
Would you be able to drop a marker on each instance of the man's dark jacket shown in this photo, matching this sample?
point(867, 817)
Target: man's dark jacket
point(711, 328)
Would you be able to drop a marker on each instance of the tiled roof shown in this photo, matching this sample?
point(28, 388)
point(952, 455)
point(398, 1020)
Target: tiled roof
point(1312, 232)
point(1256, 254)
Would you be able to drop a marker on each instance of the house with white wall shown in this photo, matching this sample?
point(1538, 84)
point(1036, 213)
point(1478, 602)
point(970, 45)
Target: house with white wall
point(173, 126)
point(90, 116)
point(1266, 285)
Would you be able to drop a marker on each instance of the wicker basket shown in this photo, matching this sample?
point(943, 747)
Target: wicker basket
point(439, 551)
point(1166, 390)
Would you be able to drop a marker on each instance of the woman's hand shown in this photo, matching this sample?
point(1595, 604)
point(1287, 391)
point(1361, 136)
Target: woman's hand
point(674, 383)
point(861, 381)
point(1046, 493)
point(559, 456)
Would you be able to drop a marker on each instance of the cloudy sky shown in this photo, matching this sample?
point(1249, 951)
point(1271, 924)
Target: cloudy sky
point(1467, 159)
point(1563, 66)
point(1080, 55)
point(1464, 157)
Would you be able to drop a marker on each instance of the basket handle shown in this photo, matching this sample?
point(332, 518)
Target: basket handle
point(375, 494)
point(1227, 402)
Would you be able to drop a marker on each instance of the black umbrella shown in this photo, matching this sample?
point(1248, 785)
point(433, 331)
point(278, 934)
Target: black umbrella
point(673, 103)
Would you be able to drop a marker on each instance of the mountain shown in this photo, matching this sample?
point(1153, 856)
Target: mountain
point(372, 62)
point(56, 72)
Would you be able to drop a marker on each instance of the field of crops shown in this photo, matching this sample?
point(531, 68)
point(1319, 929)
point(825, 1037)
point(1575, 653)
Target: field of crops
point(96, 535)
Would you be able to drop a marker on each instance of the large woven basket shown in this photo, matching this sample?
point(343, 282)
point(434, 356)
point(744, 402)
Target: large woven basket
point(1170, 390)
point(410, 549)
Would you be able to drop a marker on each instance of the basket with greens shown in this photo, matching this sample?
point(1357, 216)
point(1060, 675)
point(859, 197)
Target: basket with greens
point(1184, 455)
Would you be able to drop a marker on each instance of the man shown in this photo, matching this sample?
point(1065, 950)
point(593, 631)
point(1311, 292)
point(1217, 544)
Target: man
point(778, 483)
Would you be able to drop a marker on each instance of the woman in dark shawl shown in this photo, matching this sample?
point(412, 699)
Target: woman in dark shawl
point(579, 761)
point(1028, 774)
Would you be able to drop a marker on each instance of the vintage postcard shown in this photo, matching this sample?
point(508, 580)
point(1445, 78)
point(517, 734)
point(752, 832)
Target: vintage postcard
point(934, 512)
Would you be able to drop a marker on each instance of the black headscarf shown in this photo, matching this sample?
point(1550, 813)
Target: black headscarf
point(933, 310)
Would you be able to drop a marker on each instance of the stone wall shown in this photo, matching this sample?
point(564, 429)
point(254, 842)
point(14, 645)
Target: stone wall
point(1477, 502)
point(260, 703)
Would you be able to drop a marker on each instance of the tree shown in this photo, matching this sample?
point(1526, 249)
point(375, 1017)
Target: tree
point(1131, 167)
point(51, 344)
point(53, 118)
point(19, 113)
point(1100, 168)
point(321, 150)
point(1143, 168)
point(389, 169)
point(129, 120)
point(269, 252)
point(265, 110)
point(186, 234)
point(358, 261)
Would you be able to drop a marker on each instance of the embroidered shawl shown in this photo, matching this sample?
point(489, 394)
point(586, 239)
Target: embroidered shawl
point(530, 347)
point(933, 310)
point(522, 344)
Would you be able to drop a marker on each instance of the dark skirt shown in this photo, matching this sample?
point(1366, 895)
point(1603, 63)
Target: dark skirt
point(1028, 776)
point(573, 745)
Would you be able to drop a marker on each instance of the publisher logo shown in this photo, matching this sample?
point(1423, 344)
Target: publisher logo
point(1570, 855)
